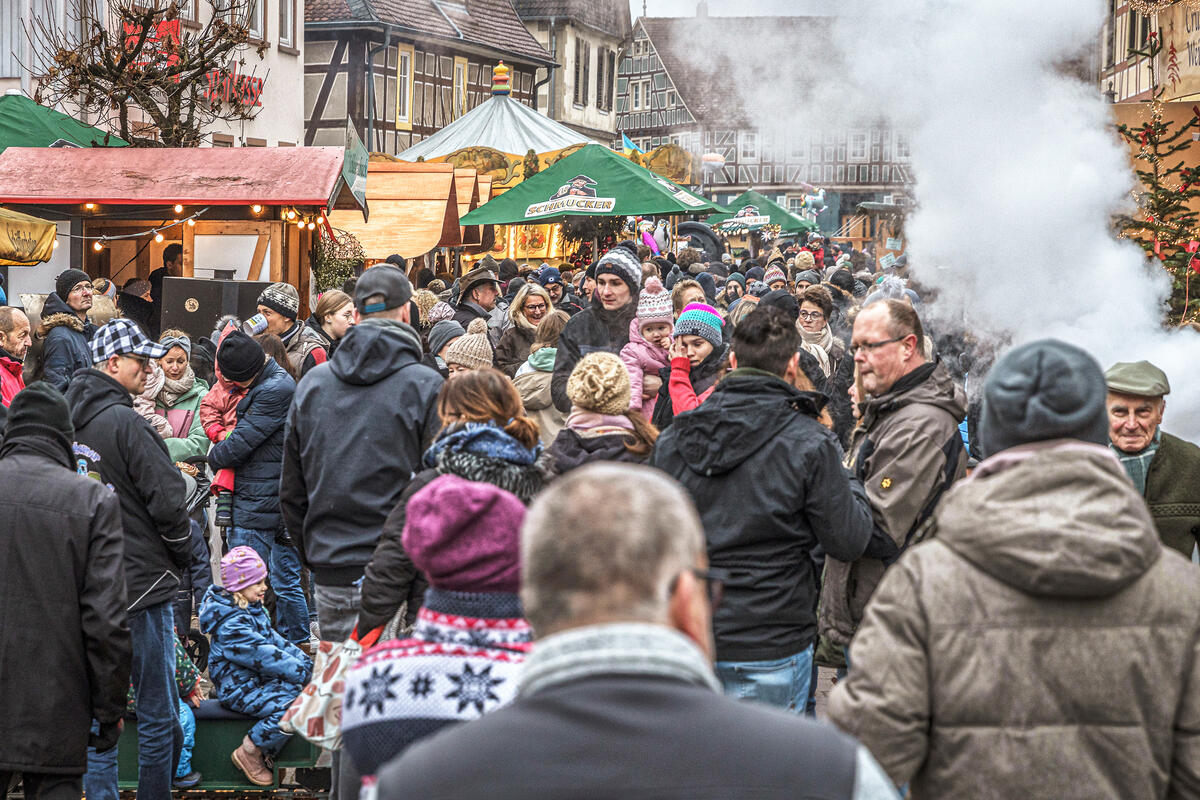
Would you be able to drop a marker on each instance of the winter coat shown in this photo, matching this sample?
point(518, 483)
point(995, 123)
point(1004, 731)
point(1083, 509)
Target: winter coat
point(305, 348)
point(466, 311)
point(572, 450)
point(250, 663)
point(641, 359)
point(513, 349)
point(1173, 493)
point(907, 453)
point(11, 380)
point(66, 343)
point(254, 450)
point(188, 439)
point(1042, 644)
point(685, 387)
point(218, 408)
point(533, 384)
point(377, 395)
point(474, 451)
point(114, 445)
point(592, 330)
point(65, 654)
point(757, 439)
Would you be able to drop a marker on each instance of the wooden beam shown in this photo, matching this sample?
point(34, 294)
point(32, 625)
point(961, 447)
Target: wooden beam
point(301, 268)
point(260, 254)
point(189, 251)
point(276, 231)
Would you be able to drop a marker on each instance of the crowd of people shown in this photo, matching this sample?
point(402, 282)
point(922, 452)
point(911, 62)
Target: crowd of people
point(614, 520)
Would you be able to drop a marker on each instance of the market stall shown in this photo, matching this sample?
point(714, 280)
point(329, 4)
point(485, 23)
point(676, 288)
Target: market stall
point(752, 213)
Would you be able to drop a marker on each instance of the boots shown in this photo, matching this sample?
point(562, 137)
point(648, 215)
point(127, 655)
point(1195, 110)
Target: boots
point(249, 759)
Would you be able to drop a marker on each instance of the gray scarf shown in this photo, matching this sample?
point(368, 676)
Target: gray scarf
point(623, 648)
point(171, 390)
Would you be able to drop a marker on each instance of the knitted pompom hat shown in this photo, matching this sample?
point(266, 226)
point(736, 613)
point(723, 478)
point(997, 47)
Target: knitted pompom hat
point(774, 274)
point(700, 319)
point(477, 325)
point(600, 383)
point(623, 262)
point(805, 260)
point(654, 304)
point(471, 351)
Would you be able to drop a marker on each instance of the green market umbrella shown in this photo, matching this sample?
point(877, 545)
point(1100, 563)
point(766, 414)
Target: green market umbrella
point(593, 182)
point(24, 123)
point(751, 211)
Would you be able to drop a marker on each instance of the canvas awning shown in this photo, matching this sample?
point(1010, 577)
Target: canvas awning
point(305, 177)
point(414, 208)
point(24, 123)
point(752, 211)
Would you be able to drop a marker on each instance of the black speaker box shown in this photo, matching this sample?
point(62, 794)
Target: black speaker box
point(193, 305)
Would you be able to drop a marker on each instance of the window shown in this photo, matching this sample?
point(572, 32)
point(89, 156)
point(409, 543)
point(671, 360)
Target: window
point(404, 84)
point(795, 205)
point(601, 66)
point(1139, 30)
point(747, 146)
point(188, 11)
point(460, 87)
point(858, 146)
point(670, 98)
point(287, 23)
point(635, 95)
point(902, 150)
point(252, 142)
point(254, 19)
point(222, 140)
point(612, 71)
point(647, 98)
point(583, 57)
point(798, 147)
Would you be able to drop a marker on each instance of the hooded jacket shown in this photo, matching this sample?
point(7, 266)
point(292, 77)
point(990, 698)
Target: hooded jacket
point(907, 453)
point(250, 663)
point(306, 348)
point(757, 439)
point(641, 359)
point(66, 654)
point(1042, 644)
point(66, 343)
point(254, 449)
point(592, 330)
point(11, 380)
point(571, 451)
point(114, 445)
point(533, 384)
point(374, 404)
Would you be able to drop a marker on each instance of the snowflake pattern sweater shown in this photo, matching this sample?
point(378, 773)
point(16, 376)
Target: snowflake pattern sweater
point(461, 662)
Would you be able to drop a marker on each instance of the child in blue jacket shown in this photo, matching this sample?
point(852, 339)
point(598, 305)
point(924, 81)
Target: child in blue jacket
point(254, 670)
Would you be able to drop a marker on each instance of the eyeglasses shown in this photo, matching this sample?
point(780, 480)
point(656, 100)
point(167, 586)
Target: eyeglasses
point(82, 287)
point(535, 306)
point(873, 346)
point(714, 584)
point(810, 316)
point(141, 360)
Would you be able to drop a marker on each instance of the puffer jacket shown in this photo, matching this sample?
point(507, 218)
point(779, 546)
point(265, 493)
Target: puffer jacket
point(11, 381)
point(1042, 644)
point(592, 330)
point(254, 449)
point(66, 343)
point(306, 348)
point(249, 661)
point(907, 453)
point(533, 384)
point(641, 359)
point(513, 348)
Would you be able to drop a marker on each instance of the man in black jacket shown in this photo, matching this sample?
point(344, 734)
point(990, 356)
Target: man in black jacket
point(618, 698)
point(480, 291)
point(117, 447)
point(65, 329)
point(65, 652)
point(757, 439)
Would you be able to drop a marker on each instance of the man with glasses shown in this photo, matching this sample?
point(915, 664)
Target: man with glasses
point(758, 438)
point(65, 329)
point(117, 447)
point(906, 449)
point(618, 698)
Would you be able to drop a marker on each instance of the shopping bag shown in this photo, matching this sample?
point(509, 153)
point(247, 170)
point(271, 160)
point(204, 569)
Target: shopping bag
point(316, 713)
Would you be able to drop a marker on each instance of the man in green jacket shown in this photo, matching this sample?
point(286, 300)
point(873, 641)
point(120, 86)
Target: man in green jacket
point(1164, 468)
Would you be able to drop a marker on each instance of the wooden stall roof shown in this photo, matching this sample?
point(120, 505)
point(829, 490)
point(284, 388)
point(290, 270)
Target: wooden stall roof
point(213, 176)
point(414, 208)
point(466, 182)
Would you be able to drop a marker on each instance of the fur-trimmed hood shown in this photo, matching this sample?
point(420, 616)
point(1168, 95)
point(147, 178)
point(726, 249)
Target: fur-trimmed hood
point(56, 313)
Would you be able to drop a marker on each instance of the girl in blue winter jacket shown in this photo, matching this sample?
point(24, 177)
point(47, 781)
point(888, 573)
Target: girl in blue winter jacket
point(254, 670)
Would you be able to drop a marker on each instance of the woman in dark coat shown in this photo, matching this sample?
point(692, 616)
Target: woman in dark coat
point(529, 307)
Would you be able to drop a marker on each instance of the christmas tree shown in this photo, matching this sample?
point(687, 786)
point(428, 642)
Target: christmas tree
point(1165, 225)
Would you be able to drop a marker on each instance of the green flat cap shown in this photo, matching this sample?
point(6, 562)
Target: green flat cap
point(1139, 378)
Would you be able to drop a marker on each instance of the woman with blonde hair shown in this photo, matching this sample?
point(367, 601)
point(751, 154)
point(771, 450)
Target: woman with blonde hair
point(529, 307)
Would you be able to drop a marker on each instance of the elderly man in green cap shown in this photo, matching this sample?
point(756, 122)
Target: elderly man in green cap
point(1164, 468)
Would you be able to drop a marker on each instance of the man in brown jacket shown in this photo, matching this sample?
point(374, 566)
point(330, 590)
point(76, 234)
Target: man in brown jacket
point(1041, 643)
point(907, 449)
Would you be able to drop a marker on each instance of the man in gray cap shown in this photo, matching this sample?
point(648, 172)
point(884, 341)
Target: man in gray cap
point(1164, 468)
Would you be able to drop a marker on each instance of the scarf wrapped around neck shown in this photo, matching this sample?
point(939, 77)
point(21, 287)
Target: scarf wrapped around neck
point(822, 338)
point(591, 423)
point(171, 390)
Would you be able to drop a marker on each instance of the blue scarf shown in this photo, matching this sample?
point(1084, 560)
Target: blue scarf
point(481, 439)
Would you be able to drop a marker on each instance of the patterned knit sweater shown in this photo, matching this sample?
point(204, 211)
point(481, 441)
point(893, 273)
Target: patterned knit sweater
point(462, 661)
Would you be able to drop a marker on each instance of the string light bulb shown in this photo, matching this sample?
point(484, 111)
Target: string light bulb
point(89, 206)
point(97, 246)
point(300, 223)
point(178, 208)
point(54, 246)
point(320, 219)
point(256, 208)
point(158, 237)
point(312, 225)
point(191, 222)
point(291, 213)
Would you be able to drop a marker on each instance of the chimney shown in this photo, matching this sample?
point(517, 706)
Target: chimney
point(702, 10)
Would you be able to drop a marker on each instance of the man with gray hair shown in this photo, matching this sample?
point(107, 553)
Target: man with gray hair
point(14, 344)
point(619, 698)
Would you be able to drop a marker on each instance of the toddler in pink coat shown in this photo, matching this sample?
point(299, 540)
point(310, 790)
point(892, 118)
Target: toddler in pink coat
point(649, 338)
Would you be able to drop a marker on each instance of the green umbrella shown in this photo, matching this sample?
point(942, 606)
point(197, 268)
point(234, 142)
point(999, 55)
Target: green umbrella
point(24, 123)
point(592, 182)
point(751, 211)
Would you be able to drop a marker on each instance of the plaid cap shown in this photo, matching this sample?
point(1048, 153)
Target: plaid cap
point(123, 337)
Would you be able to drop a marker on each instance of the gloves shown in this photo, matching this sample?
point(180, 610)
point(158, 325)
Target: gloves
point(107, 738)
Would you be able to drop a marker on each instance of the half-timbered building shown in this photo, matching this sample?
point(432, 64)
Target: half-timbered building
point(429, 61)
point(724, 85)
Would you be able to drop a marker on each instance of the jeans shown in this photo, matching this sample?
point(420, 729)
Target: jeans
point(291, 609)
point(337, 614)
point(782, 682)
point(100, 780)
point(40, 786)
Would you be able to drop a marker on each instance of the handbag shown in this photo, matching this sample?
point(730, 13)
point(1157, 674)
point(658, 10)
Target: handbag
point(316, 713)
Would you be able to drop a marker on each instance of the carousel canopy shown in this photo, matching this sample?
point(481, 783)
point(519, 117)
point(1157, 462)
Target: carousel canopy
point(751, 211)
point(500, 123)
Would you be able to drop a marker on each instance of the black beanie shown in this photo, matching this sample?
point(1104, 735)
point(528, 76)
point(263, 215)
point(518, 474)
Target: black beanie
point(784, 301)
point(41, 410)
point(66, 281)
point(240, 358)
point(1041, 391)
point(842, 279)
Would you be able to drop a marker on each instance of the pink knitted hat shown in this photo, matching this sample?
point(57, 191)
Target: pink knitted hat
point(654, 304)
point(774, 274)
point(241, 567)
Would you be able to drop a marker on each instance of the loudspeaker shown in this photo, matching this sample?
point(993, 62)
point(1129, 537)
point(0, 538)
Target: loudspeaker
point(193, 305)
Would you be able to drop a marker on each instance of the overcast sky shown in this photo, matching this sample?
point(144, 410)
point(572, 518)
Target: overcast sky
point(730, 8)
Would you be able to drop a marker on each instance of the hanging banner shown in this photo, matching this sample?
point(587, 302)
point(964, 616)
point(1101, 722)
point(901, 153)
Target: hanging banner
point(25, 240)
